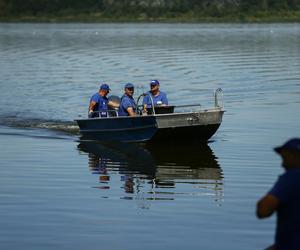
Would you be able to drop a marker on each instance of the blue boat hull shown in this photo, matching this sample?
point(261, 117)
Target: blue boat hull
point(190, 126)
point(126, 129)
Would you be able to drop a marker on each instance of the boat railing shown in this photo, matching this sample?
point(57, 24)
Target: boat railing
point(141, 107)
point(218, 95)
point(188, 107)
point(218, 104)
point(218, 99)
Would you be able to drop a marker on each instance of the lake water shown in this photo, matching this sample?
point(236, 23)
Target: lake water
point(59, 193)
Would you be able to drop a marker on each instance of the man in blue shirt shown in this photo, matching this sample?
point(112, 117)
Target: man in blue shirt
point(284, 198)
point(154, 96)
point(99, 102)
point(128, 106)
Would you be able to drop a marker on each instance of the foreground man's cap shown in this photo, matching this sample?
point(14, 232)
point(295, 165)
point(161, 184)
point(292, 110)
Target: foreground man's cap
point(292, 145)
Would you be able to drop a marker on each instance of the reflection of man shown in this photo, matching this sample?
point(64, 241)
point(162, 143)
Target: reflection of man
point(97, 165)
point(129, 183)
point(284, 198)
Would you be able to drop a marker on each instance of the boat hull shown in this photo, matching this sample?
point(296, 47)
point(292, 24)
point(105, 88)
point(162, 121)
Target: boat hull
point(186, 134)
point(190, 126)
point(125, 129)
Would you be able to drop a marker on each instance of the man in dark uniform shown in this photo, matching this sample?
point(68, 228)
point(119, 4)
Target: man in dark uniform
point(128, 106)
point(284, 198)
point(154, 96)
point(99, 102)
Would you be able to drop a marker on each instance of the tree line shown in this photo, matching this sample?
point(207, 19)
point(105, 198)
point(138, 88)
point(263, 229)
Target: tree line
point(142, 8)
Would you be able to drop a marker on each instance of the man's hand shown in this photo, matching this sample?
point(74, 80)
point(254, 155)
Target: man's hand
point(130, 111)
point(90, 115)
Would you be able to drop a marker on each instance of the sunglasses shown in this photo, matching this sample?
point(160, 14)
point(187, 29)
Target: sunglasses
point(130, 89)
point(153, 85)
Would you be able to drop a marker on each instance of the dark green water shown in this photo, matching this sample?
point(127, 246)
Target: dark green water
point(58, 193)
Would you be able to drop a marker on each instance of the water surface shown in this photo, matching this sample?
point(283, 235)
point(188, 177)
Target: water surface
point(59, 193)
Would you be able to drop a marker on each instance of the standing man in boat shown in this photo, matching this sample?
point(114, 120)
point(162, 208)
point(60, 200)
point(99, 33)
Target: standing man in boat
point(128, 105)
point(284, 198)
point(99, 102)
point(154, 96)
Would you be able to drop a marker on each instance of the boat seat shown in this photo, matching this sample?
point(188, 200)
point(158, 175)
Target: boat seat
point(161, 110)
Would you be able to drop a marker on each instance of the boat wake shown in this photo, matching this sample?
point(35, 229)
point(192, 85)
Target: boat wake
point(69, 127)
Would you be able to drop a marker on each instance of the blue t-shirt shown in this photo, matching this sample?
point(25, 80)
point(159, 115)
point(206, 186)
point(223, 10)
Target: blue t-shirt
point(101, 104)
point(161, 97)
point(287, 190)
point(126, 102)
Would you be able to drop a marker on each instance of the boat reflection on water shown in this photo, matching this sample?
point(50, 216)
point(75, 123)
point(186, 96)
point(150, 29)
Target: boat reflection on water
point(154, 172)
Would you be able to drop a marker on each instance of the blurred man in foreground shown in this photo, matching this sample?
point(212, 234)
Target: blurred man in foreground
point(284, 198)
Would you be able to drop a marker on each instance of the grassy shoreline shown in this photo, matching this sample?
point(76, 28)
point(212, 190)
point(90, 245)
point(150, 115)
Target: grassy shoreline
point(258, 17)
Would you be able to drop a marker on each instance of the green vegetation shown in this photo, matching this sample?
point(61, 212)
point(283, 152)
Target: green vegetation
point(150, 10)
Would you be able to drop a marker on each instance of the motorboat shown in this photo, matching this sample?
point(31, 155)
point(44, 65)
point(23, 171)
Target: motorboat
point(161, 123)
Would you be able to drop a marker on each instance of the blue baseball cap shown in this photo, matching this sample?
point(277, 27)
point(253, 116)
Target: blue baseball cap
point(104, 86)
point(154, 82)
point(128, 85)
point(292, 145)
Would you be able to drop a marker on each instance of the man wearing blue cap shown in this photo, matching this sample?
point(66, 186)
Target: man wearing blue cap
point(154, 96)
point(284, 198)
point(99, 102)
point(128, 106)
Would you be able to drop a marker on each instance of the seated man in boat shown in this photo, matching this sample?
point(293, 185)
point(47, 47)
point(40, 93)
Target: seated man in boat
point(128, 105)
point(99, 102)
point(154, 96)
